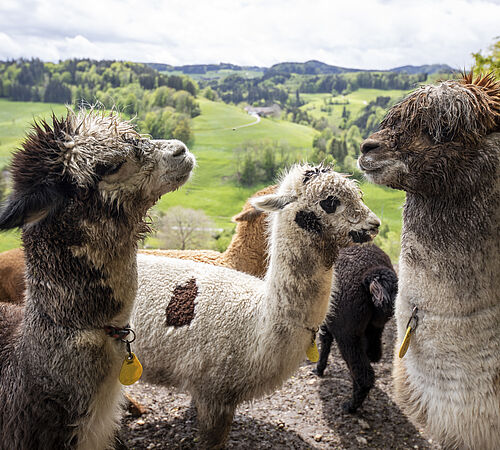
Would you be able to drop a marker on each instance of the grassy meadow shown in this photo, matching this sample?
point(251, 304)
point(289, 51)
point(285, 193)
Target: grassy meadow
point(15, 118)
point(354, 102)
point(213, 187)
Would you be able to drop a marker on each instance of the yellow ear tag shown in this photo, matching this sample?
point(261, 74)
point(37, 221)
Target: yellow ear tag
point(131, 370)
point(312, 352)
point(406, 342)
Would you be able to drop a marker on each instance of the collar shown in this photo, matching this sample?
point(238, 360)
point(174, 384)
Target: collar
point(119, 333)
point(312, 330)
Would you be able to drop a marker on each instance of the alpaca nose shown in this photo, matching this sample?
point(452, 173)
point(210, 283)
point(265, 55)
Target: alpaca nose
point(368, 145)
point(179, 149)
point(374, 223)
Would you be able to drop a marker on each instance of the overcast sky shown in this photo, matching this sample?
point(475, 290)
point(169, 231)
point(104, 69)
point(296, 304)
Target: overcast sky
point(366, 34)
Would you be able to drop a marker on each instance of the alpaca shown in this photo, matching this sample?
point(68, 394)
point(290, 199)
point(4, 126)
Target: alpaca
point(441, 145)
point(228, 337)
point(246, 253)
point(361, 303)
point(12, 283)
point(82, 186)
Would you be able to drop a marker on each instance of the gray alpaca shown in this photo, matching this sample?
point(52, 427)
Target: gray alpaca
point(82, 186)
point(442, 146)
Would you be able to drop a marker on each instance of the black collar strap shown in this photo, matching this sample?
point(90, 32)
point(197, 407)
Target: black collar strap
point(118, 333)
point(312, 330)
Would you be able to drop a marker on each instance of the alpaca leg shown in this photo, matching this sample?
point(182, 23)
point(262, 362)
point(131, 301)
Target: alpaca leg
point(353, 351)
point(214, 423)
point(326, 340)
point(374, 341)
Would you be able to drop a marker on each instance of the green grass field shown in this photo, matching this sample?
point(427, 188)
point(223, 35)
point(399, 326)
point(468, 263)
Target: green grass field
point(357, 100)
point(212, 187)
point(15, 118)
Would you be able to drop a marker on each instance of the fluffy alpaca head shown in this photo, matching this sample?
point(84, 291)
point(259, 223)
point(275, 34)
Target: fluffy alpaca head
point(433, 136)
point(323, 206)
point(91, 155)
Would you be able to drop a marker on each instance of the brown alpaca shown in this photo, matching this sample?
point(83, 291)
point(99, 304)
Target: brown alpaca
point(12, 282)
point(442, 146)
point(246, 253)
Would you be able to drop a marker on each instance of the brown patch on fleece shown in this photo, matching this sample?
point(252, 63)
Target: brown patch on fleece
point(180, 310)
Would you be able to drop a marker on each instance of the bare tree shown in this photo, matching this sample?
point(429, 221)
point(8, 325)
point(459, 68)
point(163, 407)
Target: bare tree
point(184, 228)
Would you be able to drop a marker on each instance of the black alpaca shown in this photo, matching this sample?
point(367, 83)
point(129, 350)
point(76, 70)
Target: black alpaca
point(361, 303)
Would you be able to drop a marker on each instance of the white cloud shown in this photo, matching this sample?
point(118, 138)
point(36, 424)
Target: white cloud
point(360, 33)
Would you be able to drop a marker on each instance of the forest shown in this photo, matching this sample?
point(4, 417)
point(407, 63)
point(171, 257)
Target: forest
point(163, 104)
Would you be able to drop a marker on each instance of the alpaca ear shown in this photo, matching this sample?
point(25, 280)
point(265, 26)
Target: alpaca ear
point(247, 215)
point(272, 202)
point(379, 293)
point(22, 209)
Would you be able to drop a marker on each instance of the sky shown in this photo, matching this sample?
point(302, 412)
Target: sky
point(364, 34)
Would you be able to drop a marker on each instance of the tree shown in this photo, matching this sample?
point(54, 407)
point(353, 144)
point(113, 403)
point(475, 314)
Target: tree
point(184, 228)
point(489, 62)
point(57, 92)
point(183, 132)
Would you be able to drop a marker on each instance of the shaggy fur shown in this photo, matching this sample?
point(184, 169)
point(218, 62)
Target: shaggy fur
point(361, 303)
point(246, 252)
point(449, 167)
point(248, 335)
point(82, 186)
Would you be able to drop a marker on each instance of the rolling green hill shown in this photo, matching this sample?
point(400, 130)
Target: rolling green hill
point(317, 105)
point(213, 187)
point(15, 118)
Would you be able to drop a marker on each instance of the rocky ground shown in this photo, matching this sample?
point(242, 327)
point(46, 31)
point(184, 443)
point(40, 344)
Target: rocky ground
point(304, 414)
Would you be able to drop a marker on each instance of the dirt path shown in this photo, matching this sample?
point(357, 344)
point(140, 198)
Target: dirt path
point(257, 120)
point(304, 414)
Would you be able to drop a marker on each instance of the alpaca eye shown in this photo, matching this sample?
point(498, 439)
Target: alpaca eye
point(329, 204)
point(103, 170)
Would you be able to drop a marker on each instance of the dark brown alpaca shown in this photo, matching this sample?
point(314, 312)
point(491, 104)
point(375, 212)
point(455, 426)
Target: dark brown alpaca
point(81, 187)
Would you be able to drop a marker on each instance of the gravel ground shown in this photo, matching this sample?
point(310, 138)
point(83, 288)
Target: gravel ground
point(304, 414)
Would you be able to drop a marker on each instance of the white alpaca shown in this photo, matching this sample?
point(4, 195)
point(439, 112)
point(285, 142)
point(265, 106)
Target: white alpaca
point(227, 337)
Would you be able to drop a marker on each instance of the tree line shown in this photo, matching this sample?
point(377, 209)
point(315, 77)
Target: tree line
point(282, 87)
point(163, 104)
point(347, 83)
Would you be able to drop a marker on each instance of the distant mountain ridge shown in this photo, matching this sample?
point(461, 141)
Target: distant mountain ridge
point(203, 68)
point(307, 68)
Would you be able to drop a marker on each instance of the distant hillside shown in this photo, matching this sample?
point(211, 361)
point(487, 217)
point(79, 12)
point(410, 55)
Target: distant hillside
point(306, 68)
point(203, 68)
point(310, 68)
point(319, 68)
point(428, 69)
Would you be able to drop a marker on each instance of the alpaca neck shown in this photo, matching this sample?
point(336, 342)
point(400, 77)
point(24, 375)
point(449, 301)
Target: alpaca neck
point(297, 282)
point(451, 245)
point(80, 279)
